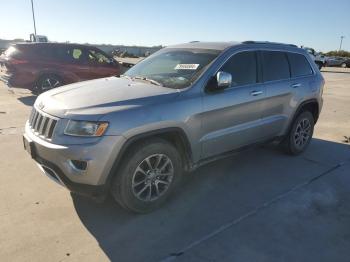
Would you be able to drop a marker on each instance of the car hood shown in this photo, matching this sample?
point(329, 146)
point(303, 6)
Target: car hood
point(101, 96)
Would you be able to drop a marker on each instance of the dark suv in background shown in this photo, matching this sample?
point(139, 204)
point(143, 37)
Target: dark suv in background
point(338, 62)
point(43, 66)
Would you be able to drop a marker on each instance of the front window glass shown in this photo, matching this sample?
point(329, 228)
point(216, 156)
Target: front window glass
point(243, 68)
point(174, 68)
point(97, 57)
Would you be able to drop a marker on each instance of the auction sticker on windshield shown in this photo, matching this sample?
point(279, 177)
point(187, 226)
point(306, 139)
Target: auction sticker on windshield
point(186, 66)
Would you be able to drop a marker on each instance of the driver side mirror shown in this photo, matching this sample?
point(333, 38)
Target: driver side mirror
point(221, 81)
point(224, 79)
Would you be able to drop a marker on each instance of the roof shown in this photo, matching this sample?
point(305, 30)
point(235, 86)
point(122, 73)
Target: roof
point(206, 45)
point(267, 43)
point(223, 45)
point(52, 44)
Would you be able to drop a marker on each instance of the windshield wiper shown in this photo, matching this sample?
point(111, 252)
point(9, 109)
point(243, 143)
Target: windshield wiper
point(152, 81)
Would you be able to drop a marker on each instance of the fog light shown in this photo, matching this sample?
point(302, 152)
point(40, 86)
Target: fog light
point(79, 164)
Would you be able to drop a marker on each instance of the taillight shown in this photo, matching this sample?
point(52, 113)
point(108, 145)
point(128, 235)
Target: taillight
point(14, 61)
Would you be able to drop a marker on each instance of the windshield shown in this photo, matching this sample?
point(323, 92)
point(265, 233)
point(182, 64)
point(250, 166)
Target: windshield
point(174, 68)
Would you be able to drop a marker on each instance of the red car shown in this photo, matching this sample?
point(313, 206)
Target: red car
point(42, 66)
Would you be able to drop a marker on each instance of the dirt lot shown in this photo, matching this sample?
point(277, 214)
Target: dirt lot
point(261, 205)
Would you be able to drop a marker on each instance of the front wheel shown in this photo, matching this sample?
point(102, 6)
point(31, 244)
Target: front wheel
point(149, 174)
point(300, 134)
point(343, 65)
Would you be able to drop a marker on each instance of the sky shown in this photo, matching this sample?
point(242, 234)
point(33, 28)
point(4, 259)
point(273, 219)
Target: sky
point(312, 23)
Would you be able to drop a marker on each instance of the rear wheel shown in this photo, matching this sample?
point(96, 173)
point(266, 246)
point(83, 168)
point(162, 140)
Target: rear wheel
point(343, 65)
point(47, 82)
point(149, 174)
point(300, 134)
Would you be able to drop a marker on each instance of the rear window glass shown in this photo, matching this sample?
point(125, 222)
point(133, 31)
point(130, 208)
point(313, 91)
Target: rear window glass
point(61, 53)
point(275, 65)
point(76, 53)
point(299, 65)
point(43, 52)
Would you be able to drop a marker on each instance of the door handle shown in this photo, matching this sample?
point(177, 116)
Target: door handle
point(256, 93)
point(296, 85)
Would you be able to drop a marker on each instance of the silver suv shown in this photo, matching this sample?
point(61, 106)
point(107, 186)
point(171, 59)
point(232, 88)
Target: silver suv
point(185, 105)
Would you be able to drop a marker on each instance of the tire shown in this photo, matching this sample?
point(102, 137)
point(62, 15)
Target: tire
point(343, 65)
point(149, 173)
point(300, 134)
point(47, 82)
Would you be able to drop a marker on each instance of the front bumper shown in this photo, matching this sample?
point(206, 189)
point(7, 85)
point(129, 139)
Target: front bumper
point(55, 161)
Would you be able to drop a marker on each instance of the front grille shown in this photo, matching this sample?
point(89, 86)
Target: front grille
point(42, 125)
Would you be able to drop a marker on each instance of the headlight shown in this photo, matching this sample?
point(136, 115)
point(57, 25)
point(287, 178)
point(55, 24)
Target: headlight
point(85, 128)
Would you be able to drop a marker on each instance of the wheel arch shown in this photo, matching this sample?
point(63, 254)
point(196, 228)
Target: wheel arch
point(308, 105)
point(174, 135)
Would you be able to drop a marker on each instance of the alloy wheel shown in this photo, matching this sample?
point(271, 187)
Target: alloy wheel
point(49, 83)
point(152, 177)
point(302, 133)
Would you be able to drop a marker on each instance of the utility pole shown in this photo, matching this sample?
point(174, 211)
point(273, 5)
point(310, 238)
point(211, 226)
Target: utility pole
point(33, 17)
point(341, 42)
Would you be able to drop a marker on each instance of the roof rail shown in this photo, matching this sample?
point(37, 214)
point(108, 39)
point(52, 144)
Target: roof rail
point(196, 41)
point(267, 42)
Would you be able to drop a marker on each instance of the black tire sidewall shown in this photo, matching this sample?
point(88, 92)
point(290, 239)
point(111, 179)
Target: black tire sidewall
point(125, 195)
point(291, 143)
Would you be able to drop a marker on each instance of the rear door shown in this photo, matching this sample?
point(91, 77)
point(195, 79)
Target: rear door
point(285, 76)
point(232, 117)
point(302, 76)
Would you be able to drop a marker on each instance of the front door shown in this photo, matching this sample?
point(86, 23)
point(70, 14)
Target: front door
point(231, 118)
